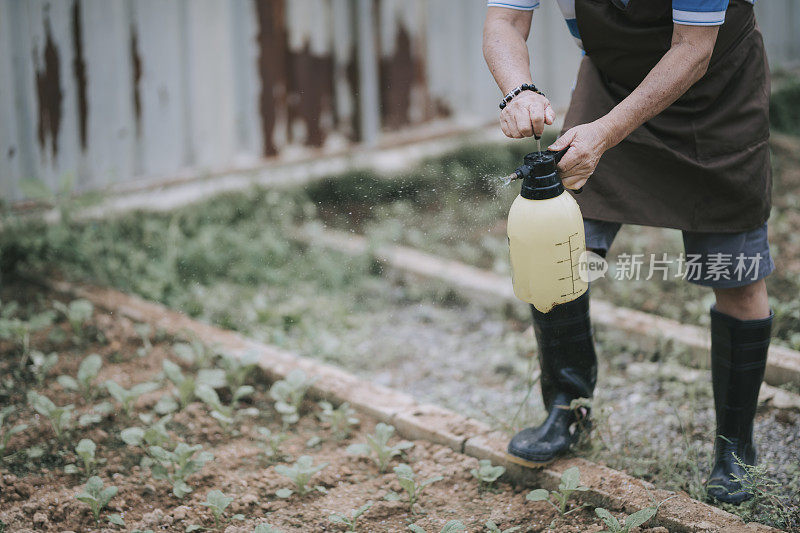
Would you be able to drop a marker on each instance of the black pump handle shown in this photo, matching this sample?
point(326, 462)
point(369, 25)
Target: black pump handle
point(557, 157)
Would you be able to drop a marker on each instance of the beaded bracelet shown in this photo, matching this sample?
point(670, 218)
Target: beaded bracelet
point(514, 92)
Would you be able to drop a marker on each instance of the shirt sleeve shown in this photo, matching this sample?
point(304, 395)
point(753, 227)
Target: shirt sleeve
point(525, 5)
point(699, 12)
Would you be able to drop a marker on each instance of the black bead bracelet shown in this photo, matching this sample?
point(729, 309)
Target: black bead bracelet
point(514, 92)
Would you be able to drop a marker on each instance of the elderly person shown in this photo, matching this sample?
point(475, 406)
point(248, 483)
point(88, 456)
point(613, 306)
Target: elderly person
point(668, 127)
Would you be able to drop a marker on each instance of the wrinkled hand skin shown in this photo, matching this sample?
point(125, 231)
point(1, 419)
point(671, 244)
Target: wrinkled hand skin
point(526, 115)
point(587, 143)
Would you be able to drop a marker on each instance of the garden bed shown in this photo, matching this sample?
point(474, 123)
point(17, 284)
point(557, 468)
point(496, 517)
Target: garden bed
point(42, 475)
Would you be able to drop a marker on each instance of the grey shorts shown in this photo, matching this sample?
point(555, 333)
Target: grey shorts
point(719, 260)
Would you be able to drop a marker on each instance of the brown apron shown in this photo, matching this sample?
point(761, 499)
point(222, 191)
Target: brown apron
point(703, 163)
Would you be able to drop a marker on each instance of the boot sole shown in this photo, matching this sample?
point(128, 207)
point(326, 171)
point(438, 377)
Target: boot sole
point(526, 463)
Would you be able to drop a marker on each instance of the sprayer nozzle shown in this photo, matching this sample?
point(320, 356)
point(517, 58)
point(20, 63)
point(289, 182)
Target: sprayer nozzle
point(511, 177)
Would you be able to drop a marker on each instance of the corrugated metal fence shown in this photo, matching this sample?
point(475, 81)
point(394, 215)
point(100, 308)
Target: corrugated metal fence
point(119, 92)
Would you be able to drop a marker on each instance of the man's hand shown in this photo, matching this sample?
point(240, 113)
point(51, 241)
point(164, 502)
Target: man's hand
point(587, 143)
point(526, 115)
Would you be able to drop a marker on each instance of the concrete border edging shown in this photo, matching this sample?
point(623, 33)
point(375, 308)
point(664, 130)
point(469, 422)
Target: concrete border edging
point(783, 365)
point(423, 421)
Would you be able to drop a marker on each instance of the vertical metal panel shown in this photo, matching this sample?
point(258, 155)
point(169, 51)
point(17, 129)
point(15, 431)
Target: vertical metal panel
point(120, 91)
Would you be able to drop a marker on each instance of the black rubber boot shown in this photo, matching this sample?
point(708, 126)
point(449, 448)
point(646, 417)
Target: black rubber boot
point(738, 359)
point(569, 371)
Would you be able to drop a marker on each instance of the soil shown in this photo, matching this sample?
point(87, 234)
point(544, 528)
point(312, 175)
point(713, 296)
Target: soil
point(36, 494)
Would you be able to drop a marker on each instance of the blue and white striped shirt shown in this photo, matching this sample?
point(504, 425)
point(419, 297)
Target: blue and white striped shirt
point(688, 12)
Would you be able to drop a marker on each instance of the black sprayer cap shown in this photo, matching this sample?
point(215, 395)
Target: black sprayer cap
point(540, 180)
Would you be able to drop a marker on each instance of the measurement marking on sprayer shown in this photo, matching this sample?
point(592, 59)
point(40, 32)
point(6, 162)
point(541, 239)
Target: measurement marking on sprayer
point(569, 260)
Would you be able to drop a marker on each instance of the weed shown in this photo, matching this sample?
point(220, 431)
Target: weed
point(300, 473)
point(350, 519)
point(77, 313)
point(491, 527)
point(486, 473)
point(87, 372)
point(453, 526)
point(288, 394)
point(377, 446)
point(127, 397)
point(570, 482)
point(217, 501)
point(96, 496)
point(177, 465)
point(60, 418)
point(271, 443)
point(7, 433)
point(765, 505)
point(341, 418)
point(407, 478)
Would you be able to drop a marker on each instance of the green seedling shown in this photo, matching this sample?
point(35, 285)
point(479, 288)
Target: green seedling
point(7, 433)
point(60, 418)
point(96, 414)
point(570, 482)
point(77, 313)
point(453, 526)
point(41, 364)
point(350, 519)
point(300, 473)
point(194, 352)
point(265, 528)
point(224, 414)
point(486, 473)
point(154, 434)
point(629, 522)
point(270, 444)
point(127, 397)
point(177, 465)
point(288, 395)
point(377, 446)
point(407, 478)
point(87, 372)
point(96, 496)
point(184, 385)
point(217, 501)
point(491, 527)
point(144, 330)
point(341, 418)
point(19, 331)
point(238, 368)
point(86, 452)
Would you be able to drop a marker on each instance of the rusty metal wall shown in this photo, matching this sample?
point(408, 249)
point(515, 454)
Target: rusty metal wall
point(124, 92)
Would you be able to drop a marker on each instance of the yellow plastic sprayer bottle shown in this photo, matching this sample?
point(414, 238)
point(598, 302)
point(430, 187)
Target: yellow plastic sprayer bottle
point(545, 235)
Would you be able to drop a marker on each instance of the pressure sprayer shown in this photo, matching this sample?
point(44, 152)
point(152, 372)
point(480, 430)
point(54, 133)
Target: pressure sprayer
point(545, 235)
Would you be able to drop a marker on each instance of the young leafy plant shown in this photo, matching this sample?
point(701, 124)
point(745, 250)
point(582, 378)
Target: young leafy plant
point(486, 473)
point(263, 527)
point(217, 501)
point(629, 522)
point(491, 527)
point(350, 519)
point(41, 364)
point(60, 417)
point(270, 443)
point(407, 478)
point(86, 452)
point(570, 482)
point(377, 446)
point(453, 526)
point(7, 433)
point(194, 352)
point(767, 504)
point(19, 331)
point(238, 368)
point(288, 395)
point(87, 372)
point(300, 473)
point(184, 385)
point(177, 465)
point(127, 397)
point(340, 419)
point(77, 313)
point(96, 496)
point(144, 330)
point(224, 414)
